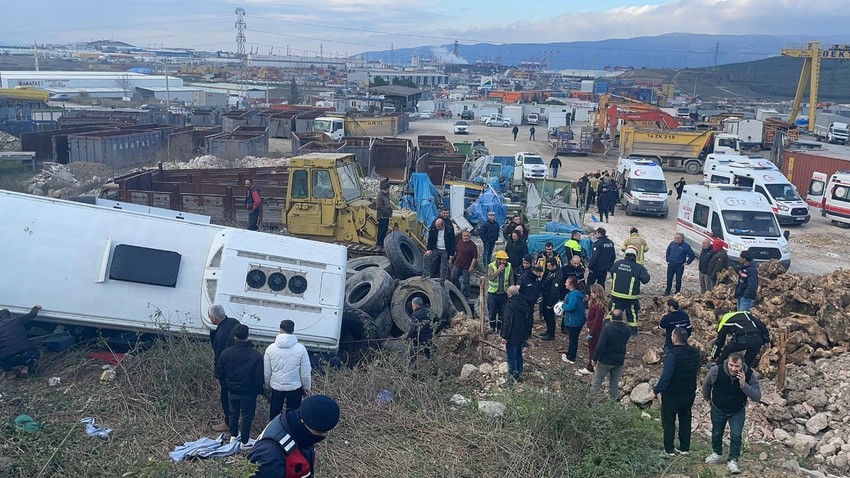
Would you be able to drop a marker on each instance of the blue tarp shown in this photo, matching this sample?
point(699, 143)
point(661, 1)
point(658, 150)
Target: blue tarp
point(141, 69)
point(488, 201)
point(537, 243)
point(424, 193)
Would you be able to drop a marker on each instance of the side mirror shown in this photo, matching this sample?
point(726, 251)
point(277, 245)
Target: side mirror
point(787, 234)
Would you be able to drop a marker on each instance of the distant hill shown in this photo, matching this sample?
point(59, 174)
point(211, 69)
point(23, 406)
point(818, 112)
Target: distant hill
point(771, 78)
point(673, 50)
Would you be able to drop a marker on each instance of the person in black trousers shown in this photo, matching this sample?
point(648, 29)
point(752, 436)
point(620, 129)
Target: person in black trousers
point(221, 338)
point(241, 367)
point(678, 387)
point(602, 257)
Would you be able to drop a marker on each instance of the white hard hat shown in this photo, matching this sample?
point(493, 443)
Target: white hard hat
point(559, 308)
point(631, 250)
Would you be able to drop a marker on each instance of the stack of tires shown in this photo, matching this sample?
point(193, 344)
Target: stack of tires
point(378, 295)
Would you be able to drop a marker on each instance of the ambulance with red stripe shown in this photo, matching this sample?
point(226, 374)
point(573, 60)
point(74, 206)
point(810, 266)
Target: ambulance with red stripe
point(763, 177)
point(742, 218)
point(643, 186)
point(832, 195)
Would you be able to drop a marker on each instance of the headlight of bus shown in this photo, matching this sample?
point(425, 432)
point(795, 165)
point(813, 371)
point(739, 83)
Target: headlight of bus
point(737, 246)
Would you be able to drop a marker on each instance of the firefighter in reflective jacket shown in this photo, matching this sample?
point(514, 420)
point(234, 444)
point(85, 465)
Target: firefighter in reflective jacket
point(749, 334)
point(626, 277)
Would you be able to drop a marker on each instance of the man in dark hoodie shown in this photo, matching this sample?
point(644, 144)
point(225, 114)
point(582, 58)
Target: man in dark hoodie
point(727, 387)
point(288, 441)
point(530, 287)
point(672, 319)
point(748, 282)
point(610, 354)
point(553, 291)
point(718, 263)
point(221, 338)
point(602, 257)
point(15, 347)
point(515, 330)
point(241, 368)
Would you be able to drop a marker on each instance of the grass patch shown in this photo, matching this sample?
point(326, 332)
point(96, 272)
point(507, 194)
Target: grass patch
point(12, 177)
point(167, 395)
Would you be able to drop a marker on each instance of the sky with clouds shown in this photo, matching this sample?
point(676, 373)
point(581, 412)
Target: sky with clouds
point(351, 26)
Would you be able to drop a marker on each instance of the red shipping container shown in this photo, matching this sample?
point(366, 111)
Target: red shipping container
point(798, 166)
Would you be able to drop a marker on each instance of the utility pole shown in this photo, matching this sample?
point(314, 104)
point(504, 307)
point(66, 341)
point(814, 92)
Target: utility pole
point(716, 52)
point(167, 109)
point(35, 53)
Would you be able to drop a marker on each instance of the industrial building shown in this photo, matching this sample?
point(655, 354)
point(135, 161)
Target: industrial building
point(97, 84)
point(423, 78)
point(304, 61)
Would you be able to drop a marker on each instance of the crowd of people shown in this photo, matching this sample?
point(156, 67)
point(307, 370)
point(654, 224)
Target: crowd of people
point(598, 188)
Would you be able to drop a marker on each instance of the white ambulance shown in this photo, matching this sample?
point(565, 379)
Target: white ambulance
point(739, 216)
point(116, 266)
point(643, 186)
point(763, 177)
point(832, 195)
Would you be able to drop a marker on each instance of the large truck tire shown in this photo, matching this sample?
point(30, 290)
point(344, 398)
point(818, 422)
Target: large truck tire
point(693, 167)
point(384, 323)
point(457, 301)
point(356, 333)
point(369, 290)
point(431, 292)
point(405, 257)
point(366, 262)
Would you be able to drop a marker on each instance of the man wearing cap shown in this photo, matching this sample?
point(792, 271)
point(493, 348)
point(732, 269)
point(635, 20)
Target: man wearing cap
point(748, 282)
point(289, 440)
point(553, 291)
point(602, 258)
point(441, 246)
point(718, 263)
point(639, 243)
point(499, 277)
point(488, 231)
point(626, 277)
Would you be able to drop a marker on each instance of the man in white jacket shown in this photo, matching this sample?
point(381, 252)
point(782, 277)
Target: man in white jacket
point(287, 370)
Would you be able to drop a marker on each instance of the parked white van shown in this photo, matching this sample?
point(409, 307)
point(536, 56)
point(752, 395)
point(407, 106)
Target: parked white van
point(643, 186)
point(832, 195)
point(764, 178)
point(739, 216)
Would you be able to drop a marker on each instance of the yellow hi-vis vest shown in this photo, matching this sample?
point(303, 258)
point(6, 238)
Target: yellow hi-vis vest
point(493, 285)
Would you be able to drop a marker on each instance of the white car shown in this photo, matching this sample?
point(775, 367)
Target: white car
point(461, 127)
point(426, 114)
point(532, 119)
point(505, 122)
point(483, 119)
point(533, 166)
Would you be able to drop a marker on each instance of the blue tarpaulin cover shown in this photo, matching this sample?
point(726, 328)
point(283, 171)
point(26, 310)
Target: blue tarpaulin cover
point(488, 201)
point(424, 193)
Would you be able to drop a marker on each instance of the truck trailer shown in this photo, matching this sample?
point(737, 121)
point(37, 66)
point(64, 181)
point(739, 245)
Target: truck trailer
point(120, 266)
point(676, 149)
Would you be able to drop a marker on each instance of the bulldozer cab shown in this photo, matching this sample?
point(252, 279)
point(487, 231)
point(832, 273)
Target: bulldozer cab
point(325, 200)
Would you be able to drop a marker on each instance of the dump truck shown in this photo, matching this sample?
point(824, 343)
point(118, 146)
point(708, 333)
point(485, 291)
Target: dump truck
point(318, 196)
point(125, 267)
point(338, 127)
point(24, 93)
point(676, 149)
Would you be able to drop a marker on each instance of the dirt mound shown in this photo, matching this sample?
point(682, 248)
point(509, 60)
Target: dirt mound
point(816, 311)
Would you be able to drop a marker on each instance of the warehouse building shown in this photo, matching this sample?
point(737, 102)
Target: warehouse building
point(97, 84)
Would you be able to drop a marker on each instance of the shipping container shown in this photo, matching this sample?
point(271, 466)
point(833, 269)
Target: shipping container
point(115, 148)
point(798, 166)
point(42, 142)
point(441, 166)
point(391, 158)
point(241, 142)
point(359, 146)
point(236, 118)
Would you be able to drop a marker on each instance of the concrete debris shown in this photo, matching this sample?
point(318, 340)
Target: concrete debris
point(817, 423)
point(212, 162)
point(468, 371)
point(62, 181)
point(652, 356)
point(491, 409)
point(9, 142)
point(641, 394)
point(460, 400)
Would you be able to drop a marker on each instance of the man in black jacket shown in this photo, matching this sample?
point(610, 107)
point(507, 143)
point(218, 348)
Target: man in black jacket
point(241, 368)
point(718, 263)
point(673, 319)
point(15, 347)
point(553, 291)
point(749, 335)
point(221, 338)
point(488, 231)
point(288, 441)
point(515, 331)
point(704, 259)
point(516, 221)
point(727, 387)
point(610, 354)
point(678, 388)
point(441, 246)
point(601, 259)
point(530, 289)
point(748, 283)
point(384, 208)
point(626, 277)
point(421, 333)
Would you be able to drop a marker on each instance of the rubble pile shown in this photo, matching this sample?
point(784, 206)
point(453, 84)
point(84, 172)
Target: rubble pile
point(9, 142)
point(812, 416)
point(815, 310)
point(62, 181)
point(212, 162)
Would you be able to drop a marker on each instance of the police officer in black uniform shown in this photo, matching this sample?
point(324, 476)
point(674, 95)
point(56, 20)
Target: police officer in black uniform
point(749, 334)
